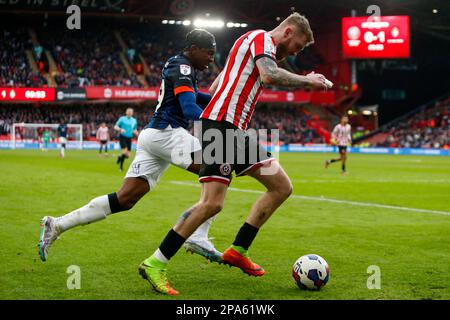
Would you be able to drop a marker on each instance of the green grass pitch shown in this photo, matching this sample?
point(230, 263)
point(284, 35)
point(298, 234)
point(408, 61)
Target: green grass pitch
point(411, 248)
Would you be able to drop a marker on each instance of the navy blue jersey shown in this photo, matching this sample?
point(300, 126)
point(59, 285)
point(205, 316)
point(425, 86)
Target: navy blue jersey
point(62, 131)
point(178, 76)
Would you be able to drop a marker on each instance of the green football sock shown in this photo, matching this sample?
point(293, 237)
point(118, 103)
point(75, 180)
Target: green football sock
point(241, 250)
point(154, 262)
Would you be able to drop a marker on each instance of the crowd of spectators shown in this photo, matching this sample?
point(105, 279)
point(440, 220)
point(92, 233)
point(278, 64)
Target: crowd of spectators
point(156, 48)
point(15, 70)
point(426, 129)
point(92, 56)
point(88, 57)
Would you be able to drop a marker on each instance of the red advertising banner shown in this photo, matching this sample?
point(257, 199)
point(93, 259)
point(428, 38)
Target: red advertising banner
point(299, 96)
point(126, 93)
point(375, 37)
point(27, 94)
point(284, 96)
point(114, 93)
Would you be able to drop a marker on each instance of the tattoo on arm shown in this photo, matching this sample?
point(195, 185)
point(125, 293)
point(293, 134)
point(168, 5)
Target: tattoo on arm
point(280, 76)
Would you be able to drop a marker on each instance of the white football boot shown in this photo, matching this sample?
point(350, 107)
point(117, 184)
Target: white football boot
point(204, 247)
point(49, 233)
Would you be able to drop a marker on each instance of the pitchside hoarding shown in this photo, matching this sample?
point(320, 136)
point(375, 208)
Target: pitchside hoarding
point(376, 37)
point(24, 95)
point(63, 94)
point(117, 93)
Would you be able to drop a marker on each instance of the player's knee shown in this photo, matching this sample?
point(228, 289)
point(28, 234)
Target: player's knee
point(283, 188)
point(286, 189)
point(211, 208)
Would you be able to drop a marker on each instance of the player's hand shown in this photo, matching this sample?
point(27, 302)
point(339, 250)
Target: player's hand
point(317, 81)
point(122, 130)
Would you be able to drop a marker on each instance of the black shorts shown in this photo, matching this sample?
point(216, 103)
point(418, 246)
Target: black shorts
point(238, 151)
point(103, 141)
point(342, 149)
point(125, 143)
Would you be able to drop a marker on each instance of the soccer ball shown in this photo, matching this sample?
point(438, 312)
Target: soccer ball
point(311, 272)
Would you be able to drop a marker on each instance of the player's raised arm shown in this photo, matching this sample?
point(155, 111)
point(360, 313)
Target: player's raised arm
point(271, 74)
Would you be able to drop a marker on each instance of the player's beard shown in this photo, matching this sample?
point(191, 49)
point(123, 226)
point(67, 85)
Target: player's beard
point(281, 52)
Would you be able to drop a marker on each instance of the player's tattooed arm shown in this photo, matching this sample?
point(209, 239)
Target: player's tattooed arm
point(271, 74)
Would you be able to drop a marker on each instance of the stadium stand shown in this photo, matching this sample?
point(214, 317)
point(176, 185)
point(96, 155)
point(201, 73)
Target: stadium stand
point(90, 57)
point(15, 69)
point(425, 127)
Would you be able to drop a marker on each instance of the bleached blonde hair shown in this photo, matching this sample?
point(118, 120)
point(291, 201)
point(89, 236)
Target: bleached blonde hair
point(302, 25)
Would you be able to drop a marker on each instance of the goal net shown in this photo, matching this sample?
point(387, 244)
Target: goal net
point(45, 135)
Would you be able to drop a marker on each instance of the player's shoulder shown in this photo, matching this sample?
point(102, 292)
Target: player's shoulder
point(258, 31)
point(179, 64)
point(256, 34)
point(178, 60)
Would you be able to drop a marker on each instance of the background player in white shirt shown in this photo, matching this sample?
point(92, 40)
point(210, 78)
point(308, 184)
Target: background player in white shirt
point(342, 137)
point(103, 137)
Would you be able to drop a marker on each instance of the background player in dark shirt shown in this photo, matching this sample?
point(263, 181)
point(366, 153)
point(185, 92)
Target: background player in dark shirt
point(62, 137)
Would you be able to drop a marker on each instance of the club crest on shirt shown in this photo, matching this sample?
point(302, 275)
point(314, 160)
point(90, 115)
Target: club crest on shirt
point(225, 169)
point(185, 69)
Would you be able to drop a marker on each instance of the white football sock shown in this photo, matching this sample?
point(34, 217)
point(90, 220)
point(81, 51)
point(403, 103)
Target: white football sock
point(96, 209)
point(63, 152)
point(202, 231)
point(159, 255)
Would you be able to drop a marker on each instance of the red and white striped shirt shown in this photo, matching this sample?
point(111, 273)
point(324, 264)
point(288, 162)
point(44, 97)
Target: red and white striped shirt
point(240, 85)
point(342, 134)
point(103, 133)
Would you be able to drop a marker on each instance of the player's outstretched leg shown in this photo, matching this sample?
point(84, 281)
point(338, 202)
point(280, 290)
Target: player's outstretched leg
point(279, 188)
point(97, 209)
point(328, 162)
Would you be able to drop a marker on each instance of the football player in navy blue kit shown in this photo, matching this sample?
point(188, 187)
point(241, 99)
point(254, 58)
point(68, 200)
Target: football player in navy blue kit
point(160, 144)
point(62, 138)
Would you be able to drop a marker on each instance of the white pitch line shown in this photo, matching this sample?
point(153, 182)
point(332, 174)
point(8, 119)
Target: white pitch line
point(354, 203)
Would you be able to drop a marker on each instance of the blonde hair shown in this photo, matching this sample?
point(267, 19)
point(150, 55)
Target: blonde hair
point(302, 25)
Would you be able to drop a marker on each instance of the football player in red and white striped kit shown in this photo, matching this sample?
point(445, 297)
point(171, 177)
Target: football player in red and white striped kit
point(342, 137)
point(251, 64)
